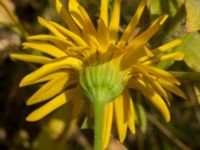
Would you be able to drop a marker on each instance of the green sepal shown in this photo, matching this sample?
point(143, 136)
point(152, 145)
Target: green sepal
point(102, 82)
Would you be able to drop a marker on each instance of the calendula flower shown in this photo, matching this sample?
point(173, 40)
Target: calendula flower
point(87, 62)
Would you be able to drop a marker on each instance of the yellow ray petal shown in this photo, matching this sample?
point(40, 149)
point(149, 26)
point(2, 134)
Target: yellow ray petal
point(161, 74)
point(73, 6)
point(69, 62)
point(104, 11)
point(48, 107)
point(88, 24)
point(31, 58)
point(176, 56)
point(133, 23)
point(141, 40)
point(159, 103)
point(170, 97)
point(131, 117)
point(45, 23)
point(51, 38)
point(152, 80)
point(156, 100)
point(81, 17)
point(103, 35)
point(107, 124)
point(49, 77)
point(45, 48)
point(159, 89)
point(147, 34)
point(119, 117)
point(125, 97)
point(147, 54)
point(66, 16)
point(166, 46)
point(115, 20)
point(51, 89)
point(129, 111)
point(78, 40)
point(142, 54)
point(93, 42)
point(76, 49)
point(172, 88)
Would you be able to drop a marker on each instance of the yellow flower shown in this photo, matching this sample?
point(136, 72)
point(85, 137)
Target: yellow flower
point(84, 61)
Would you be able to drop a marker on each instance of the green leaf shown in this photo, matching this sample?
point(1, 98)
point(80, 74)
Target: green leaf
point(191, 48)
point(193, 15)
point(170, 7)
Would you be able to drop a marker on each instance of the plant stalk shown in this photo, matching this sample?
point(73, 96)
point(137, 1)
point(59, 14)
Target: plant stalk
point(99, 114)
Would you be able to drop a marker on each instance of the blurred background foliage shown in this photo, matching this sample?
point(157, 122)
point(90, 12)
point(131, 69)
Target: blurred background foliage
point(18, 18)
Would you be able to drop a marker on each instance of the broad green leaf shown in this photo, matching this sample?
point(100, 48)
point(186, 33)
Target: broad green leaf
point(191, 48)
point(170, 7)
point(193, 15)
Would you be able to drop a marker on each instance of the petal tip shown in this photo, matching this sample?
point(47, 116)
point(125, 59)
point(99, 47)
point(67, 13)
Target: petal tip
point(164, 18)
point(29, 118)
point(167, 117)
point(23, 82)
point(29, 103)
point(41, 20)
point(13, 56)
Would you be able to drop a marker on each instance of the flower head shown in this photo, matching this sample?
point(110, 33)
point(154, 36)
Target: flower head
point(84, 61)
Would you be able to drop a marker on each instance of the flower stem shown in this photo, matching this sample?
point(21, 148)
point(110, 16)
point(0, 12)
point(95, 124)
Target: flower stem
point(186, 76)
point(99, 113)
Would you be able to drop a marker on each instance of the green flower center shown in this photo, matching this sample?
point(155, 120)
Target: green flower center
point(102, 82)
